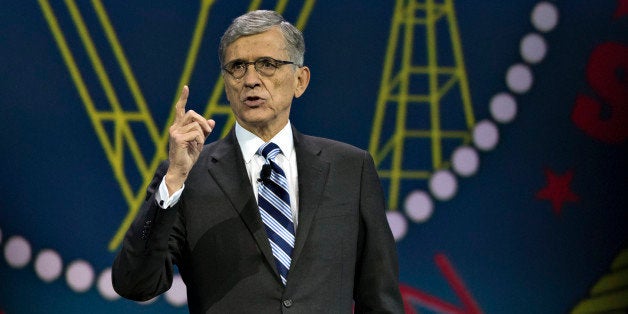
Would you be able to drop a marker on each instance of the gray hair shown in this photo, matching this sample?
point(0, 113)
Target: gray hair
point(256, 22)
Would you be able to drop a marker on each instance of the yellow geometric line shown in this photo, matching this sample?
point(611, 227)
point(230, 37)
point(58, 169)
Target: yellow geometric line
point(402, 105)
point(409, 98)
point(128, 116)
point(444, 88)
point(118, 165)
point(122, 132)
point(443, 134)
point(121, 121)
point(121, 128)
point(160, 143)
point(432, 66)
point(462, 69)
point(103, 78)
point(254, 5)
point(441, 70)
point(281, 6)
point(308, 6)
point(75, 74)
point(406, 174)
point(124, 66)
point(385, 87)
point(190, 63)
point(395, 89)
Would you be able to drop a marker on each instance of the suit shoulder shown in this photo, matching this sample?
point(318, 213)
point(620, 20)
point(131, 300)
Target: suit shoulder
point(333, 148)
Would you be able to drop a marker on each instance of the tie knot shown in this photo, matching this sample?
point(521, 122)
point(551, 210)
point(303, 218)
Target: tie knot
point(269, 150)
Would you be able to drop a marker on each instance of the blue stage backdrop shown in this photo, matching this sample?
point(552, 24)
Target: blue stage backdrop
point(499, 129)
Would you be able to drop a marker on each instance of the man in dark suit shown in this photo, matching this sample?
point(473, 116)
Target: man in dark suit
point(295, 226)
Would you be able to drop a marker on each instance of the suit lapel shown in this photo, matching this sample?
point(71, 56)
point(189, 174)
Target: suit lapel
point(226, 166)
point(312, 172)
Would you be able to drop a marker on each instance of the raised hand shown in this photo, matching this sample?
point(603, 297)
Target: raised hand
point(187, 137)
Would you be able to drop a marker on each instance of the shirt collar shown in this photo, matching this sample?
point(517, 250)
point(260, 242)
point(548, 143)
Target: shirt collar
point(249, 142)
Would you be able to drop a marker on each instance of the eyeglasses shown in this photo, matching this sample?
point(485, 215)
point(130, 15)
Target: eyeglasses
point(265, 66)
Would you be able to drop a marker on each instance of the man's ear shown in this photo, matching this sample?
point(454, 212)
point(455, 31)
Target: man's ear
point(303, 79)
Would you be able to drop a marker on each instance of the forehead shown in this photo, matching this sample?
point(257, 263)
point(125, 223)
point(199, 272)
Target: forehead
point(270, 43)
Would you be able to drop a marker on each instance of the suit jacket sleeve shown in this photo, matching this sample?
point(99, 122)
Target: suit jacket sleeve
point(143, 268)
point(377, 271)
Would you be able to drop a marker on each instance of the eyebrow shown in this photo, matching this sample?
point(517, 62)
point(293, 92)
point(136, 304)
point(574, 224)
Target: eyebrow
point(234, 60)
point(240, 59)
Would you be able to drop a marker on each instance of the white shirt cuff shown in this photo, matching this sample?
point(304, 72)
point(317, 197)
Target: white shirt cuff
point(164, 199)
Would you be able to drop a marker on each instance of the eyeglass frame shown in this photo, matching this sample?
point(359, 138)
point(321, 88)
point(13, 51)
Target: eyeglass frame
point(276, 63)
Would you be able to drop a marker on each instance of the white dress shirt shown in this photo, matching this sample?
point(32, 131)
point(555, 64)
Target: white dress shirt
point(249, 144)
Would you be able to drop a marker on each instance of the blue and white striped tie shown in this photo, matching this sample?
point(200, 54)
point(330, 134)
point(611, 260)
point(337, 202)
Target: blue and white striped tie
point(274, 206)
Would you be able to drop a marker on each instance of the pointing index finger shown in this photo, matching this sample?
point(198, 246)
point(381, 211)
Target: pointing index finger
point(180, 106)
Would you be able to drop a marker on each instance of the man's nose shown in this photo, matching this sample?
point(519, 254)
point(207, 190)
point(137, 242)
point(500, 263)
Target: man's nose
point(251, 76)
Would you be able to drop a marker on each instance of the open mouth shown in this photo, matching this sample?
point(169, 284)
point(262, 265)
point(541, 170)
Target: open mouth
point(253, 101)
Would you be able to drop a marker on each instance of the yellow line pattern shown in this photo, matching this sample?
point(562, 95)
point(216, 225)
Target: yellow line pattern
point(413, 19)
point(123, 139)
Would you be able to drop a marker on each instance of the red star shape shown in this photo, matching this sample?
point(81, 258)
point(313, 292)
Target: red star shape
point(622, 9)
point(557, 190)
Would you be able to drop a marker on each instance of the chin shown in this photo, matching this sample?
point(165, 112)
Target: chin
point(253, 121)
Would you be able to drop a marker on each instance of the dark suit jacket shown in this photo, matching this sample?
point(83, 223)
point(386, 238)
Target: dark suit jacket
point(344, 250)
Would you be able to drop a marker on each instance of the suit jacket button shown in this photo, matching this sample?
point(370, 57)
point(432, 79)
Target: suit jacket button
point(287, 303)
